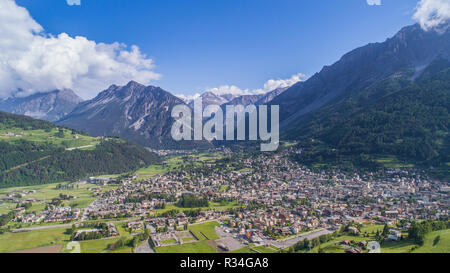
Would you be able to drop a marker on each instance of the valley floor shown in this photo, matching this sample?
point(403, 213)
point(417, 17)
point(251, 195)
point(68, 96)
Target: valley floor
point(216, 235)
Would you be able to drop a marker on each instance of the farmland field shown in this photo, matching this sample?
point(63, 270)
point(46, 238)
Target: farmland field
point(205, 229)
point(12, 242)
point(68, 140)
point(45, 193)
point(436, 242)
point(198, 247)
point(243, 250)
point(101, 246)
point(262, 249)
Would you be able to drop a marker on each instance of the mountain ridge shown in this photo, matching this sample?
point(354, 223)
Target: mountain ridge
point(411, 49)
point(134, 112)
point(50, 106)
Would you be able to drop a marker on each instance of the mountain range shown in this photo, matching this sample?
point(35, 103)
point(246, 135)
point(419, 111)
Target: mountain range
point(143, 114)
point(50, 106)
point(382, 102)
point(135, 112)
point(346, 108)
point(210, 98)
point(408, 53)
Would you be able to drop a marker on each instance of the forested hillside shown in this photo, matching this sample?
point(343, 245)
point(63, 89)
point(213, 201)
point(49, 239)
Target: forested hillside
point(409, 124)
point(9, 121)
point(37, 152)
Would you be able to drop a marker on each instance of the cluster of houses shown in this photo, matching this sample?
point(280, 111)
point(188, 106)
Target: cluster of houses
point(111, 231)
point(274, 195)
point(62, 214)
point(17, 196)
point(50, 215)
point(11, 134)
point(269, 195)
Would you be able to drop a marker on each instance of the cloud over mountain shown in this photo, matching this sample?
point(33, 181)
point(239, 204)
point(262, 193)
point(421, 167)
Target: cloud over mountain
point(373, 2)
point(32, 60)
point(188, 98)
point(269, 85)
point(432, 13)
point(73, 2)
point(228, 89)
point(280, 83)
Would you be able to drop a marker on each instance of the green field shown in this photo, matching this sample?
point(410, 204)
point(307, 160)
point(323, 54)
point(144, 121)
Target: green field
point(171, 241)
point(436, 242)
point(187, 240)
point(206, 157)
point(372, 228)
point(45, 193)
point(123, 230)
point(150, 171)
point(6, 207)
point(263, 249)
point(198, 247)
point(392, 162)
point(174, 162)
point(243, 250)
point(205, 229)
point(404, 246)
point(10, 242)
point(68, 141)
point(367, 234)
point(101, 246)
point(245, 170)
point(288, 144)
point(331, 247)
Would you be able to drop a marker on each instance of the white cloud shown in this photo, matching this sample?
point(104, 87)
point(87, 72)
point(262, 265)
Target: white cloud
point(373, 2)
point(228, 89)
point(73, 2)
point(188, 98)
point(33, 61)
point(432, 13)
point(270, 85)
point(281, 83)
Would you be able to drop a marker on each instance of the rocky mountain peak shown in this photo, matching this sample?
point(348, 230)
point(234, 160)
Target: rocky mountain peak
point(49, 106)
point(135, 112)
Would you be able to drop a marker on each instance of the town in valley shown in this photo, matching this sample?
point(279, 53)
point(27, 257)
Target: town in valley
point(224, 201)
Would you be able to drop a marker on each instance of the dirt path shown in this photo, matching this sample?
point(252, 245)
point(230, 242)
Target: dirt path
point(45, 249)
point(82, 147)
point(26, 164)
point(41, 227)
point(213, 244)
point(144, 248)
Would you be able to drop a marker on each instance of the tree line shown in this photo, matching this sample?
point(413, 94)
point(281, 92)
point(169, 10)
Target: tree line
point(108, 157)
point(419, 230)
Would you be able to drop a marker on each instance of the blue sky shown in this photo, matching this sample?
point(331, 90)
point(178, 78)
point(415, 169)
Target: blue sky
point(201, 44)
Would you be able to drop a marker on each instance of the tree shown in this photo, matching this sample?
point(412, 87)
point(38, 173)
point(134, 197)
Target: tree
point(386, 230)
